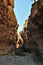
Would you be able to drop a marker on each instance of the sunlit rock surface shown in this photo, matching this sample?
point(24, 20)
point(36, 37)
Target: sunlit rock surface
point(8, 27)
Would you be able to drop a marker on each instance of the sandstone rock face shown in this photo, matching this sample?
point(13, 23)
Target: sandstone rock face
point(23, 34)
point(32, 34)
point(8, 26)
point(36, 28)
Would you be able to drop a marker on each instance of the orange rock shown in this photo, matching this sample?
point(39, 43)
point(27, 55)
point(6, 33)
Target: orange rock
point(5, 3)
point(11, 2)
point(8, 26)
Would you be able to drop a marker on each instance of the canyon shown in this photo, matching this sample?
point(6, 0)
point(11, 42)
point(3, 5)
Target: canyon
point(30, 39)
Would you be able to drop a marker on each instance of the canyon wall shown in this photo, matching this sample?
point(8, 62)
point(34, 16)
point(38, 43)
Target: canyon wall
point(36, 28)
point(32, 34)
point(8, 27)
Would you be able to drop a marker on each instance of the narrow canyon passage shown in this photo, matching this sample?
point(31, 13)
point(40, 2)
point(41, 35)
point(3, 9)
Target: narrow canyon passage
point(31, 34)
point(29, 42)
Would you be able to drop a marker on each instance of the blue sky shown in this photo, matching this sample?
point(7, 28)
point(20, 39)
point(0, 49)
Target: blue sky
point(22, 10)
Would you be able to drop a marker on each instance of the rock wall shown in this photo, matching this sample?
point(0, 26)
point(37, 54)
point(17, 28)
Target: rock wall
point(8, 27)
point(32, 34)
point(36, 28)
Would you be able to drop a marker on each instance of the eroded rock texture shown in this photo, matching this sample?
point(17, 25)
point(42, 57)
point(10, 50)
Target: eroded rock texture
point(36, 28)
point(8, 26)
point(32, 34)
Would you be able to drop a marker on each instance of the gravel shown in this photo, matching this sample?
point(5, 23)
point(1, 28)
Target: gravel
point(19, 60)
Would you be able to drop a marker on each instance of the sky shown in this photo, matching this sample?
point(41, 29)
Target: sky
point(22, 11)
